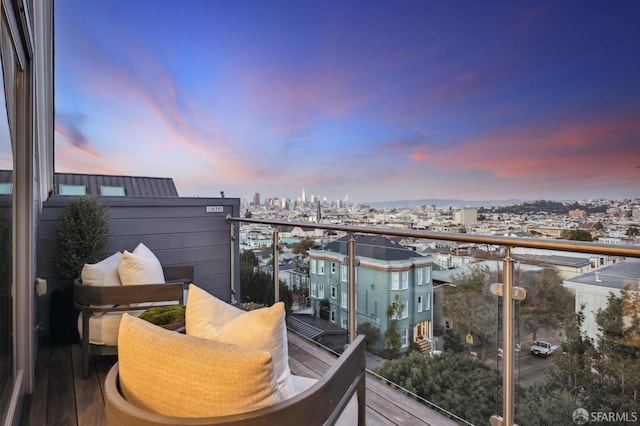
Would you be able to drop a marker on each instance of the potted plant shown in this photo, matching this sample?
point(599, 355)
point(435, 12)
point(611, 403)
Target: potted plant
point(82, 236)
point(170, 316)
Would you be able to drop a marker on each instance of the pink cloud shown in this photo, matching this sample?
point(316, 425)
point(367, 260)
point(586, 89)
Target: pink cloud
point(420, 153)
point(582, 151)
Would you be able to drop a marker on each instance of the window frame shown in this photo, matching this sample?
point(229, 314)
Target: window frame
point(395, 281)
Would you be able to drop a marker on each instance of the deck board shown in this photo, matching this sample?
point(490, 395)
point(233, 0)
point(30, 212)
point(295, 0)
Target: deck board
point(63, 397)
point(61, 405)
point(88, 392)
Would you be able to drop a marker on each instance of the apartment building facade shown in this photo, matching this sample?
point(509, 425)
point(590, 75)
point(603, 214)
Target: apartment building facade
point(387, 274)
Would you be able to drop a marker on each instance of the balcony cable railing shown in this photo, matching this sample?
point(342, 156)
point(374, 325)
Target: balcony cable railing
point(404, 390)
point(506, 289)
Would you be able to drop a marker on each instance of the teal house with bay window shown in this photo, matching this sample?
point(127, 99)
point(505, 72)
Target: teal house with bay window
point(387, 274)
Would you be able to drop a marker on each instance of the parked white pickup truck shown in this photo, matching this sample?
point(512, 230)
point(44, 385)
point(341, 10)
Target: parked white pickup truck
point(543, 348)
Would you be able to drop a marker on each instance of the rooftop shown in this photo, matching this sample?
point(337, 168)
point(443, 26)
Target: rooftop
point(617, 276)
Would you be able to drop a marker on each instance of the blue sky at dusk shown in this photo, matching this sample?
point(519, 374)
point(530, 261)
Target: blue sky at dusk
point(377, 100)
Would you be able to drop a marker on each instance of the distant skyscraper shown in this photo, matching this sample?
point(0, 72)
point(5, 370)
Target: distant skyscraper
point(256, 199)
point(304, 197)
point(318, 213)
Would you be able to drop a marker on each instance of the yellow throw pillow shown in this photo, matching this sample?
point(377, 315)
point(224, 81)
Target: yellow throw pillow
point(264, 329)
point(185, 376)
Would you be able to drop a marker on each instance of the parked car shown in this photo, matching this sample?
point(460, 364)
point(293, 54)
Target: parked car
point(543, 348)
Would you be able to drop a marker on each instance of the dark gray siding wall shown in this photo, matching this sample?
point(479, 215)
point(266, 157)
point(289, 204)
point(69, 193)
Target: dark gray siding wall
point(179, 231)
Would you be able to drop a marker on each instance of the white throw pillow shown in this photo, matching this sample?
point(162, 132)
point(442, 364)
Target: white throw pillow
point(103, 273)
point(140, 267)
point(263, 329)
point(185, 376)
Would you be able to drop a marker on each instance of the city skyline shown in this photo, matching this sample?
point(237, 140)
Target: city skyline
point(385, 102)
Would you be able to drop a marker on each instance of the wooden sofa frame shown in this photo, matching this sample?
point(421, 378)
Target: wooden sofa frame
point(320, 404)
point(90, 299)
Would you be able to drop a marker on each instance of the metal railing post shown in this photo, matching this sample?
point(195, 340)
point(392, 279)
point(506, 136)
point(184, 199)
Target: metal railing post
point(276, 262)
point(352, 288)
point(232, 239)
point(507, 300)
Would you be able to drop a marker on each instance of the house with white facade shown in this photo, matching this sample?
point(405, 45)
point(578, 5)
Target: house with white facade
point(592, 289)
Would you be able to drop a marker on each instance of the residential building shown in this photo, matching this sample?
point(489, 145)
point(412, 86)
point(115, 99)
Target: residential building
point(592, 290)
point(466, 216)
point(567, 264)
point(387, 275)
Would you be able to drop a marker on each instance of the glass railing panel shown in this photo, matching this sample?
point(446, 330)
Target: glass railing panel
point(439, 333)
point(585, 361)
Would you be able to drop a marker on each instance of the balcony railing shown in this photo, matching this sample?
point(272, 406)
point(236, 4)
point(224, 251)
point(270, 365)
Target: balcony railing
point(507, 290)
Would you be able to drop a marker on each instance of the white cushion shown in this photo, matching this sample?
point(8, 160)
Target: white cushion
point(103, 273)
point(140, 267)
point(185, 376)
point(265, 329)
point(104, 326)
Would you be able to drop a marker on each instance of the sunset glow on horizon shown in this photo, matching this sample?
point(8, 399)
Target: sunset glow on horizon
point(378, 100)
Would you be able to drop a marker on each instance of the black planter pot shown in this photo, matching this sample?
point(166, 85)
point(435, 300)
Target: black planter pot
point(63, 317)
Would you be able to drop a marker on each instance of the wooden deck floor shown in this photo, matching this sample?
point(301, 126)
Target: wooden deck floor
point(63, 398)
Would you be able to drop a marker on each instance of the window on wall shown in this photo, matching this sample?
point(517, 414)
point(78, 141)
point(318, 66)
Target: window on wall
point(333, 292)
point(344, 299)
point(321, 267)
point(343, 273)
point(333, 267)
point(405, 279)
point(419, 304)
point(345, 323)
point(313, 266)
point(313, 290)
point(114, 191)
point(72, 189)
point(395, 281)
point(427, 301)
point(404, 337)
point(333, 316)
point(419, 276)
point(6, 188)
point(405, 310)
point(321, 289)
point(427, 275)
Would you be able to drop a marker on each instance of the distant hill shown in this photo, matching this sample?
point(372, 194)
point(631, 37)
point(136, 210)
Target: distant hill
point(442, 203)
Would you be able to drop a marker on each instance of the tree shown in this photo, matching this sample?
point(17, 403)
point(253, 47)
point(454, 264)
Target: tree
point(303, 246)
point(547, 304)
point(256, 285)
point(632, 231)
point(371, 334)
point(471, 305)
point(576, 235)
point(392, 335)
point(450, 381)
point(82, 235)
point(452, 341)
